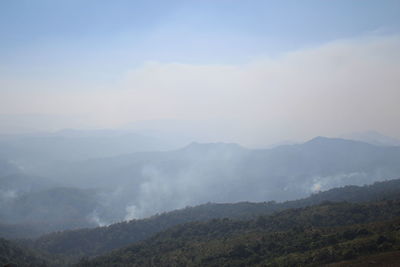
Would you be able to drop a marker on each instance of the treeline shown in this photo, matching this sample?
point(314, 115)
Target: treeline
point(241, 233)
point(314, 236)
point(72, 245)
point(13, 255)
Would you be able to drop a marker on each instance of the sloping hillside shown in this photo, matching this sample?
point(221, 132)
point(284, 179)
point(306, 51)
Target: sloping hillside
point(90, 242)
point(13, 255)
point(310, 236)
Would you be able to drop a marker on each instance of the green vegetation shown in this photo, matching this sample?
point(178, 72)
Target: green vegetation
point(312, 236)
point(13, 255)
point(73, 245)
point(381, 259)
point(341, 225)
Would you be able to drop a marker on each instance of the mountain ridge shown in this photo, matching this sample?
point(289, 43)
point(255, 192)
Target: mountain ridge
point(91, 242)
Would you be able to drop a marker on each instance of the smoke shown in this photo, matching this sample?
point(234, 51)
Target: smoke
point(323, 183)
point(96, 220)
point(191, 176)
point(160, 191)
point(131, 213)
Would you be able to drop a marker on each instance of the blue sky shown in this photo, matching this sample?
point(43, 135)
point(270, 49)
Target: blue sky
point(67, 58)
point(105, 37)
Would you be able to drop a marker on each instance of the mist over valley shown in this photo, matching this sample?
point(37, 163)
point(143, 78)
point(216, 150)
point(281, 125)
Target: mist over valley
point(199, 133)
point(72, 191)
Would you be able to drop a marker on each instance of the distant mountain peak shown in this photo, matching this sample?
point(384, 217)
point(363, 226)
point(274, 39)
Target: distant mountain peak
point(318, 139)
point(323, 139)
point(337, 142)
point(372, 137)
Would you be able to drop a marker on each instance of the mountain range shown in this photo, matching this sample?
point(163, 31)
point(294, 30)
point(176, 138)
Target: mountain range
point(101, 191)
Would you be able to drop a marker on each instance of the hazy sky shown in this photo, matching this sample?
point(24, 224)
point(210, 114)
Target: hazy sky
point(271, 70)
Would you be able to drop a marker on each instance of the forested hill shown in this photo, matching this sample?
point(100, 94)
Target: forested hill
point(314, 236)
point(13, 255)
point(92, 242)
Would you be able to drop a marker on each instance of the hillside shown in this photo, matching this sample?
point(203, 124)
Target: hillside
point(310, 236)
point(13, 255)
point(190, 133)
point(91, 242)
point(383, 259)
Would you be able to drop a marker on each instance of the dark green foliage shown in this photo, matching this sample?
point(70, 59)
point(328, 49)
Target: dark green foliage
point(381, 259)
point(296, 237)
point(93, 242)
point(14, 255)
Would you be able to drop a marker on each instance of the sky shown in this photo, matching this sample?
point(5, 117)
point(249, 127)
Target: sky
point(252, 72)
